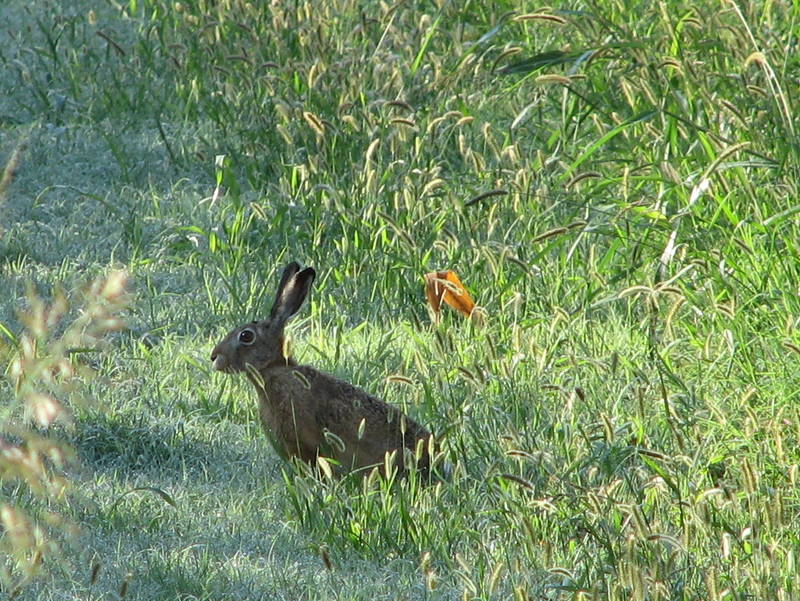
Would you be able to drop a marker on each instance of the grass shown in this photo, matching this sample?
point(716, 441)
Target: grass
point(615, 183)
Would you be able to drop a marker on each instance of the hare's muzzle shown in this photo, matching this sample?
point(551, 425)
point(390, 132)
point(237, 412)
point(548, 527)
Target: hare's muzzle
point(219, 360)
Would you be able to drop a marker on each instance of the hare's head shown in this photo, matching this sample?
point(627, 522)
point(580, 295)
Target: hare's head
point(260, 343)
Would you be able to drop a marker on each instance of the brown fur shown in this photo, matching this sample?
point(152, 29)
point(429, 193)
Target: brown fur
point(306, 413)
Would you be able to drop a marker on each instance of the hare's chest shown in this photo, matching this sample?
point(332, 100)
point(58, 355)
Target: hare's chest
point(287, 422)
point(268, 412)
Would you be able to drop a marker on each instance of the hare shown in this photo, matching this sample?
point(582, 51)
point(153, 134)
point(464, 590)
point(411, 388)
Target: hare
point(306, 413)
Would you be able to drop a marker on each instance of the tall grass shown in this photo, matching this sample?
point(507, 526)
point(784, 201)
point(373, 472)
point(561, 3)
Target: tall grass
point(46, 376)
point(614, 182)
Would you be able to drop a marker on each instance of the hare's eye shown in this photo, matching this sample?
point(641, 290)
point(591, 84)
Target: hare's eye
point(247, 336)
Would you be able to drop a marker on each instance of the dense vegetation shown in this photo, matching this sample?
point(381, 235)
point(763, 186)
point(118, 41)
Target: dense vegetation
point(615, 182)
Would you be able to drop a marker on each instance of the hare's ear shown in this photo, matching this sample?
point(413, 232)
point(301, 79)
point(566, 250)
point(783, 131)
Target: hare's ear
point(288, 272)
point(292, 292)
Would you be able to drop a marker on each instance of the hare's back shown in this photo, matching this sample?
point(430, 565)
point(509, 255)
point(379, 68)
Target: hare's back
point(367, 426)
point(345, 404)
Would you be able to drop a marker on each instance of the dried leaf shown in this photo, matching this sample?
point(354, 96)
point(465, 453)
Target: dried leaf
point(446, 286)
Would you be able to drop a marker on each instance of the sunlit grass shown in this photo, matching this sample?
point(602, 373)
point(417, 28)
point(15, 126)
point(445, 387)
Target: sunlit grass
point(614, 183)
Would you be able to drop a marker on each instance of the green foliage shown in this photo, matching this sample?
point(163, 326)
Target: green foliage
point(615, 183)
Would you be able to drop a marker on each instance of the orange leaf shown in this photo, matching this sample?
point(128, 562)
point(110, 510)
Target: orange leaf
point(445, 286)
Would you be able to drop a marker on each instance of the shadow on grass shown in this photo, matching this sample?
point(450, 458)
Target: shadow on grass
point(150, 447)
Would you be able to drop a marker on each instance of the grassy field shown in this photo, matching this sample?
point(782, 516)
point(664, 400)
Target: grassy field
point(615, 182)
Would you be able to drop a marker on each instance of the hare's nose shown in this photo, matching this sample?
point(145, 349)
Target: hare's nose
point(219, 361)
